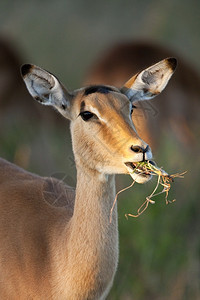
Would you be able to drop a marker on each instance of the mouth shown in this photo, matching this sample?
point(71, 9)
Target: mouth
point(138, 171)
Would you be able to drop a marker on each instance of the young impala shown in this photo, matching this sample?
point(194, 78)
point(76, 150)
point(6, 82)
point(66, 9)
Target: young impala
point(57, 243)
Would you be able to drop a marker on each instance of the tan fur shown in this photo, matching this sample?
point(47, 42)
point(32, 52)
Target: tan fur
point(57, 243)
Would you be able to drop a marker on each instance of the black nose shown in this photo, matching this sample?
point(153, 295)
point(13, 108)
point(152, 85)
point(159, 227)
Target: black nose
point(138, 149)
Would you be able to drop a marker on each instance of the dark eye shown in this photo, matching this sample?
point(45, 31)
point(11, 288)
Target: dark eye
point(86, 115)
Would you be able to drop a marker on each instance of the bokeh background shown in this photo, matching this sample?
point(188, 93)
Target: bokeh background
point(159, 251)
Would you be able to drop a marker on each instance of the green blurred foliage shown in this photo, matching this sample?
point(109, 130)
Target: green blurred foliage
point(159, 251)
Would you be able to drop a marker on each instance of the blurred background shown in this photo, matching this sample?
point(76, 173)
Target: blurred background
point(85, 42)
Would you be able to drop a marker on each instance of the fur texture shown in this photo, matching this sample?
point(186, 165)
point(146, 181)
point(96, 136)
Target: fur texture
point(57, 243)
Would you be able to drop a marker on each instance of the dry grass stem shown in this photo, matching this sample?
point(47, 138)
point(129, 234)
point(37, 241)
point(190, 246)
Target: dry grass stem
point(115, 200)
point(164, 180)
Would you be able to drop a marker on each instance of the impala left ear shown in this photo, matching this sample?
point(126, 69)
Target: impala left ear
point(150, 82)
point(45, 88)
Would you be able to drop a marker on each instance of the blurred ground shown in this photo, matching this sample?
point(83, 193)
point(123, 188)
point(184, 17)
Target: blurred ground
point(160, 250)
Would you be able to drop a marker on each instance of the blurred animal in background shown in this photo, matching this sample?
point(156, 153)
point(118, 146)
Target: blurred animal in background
point(176, 114)
point(13, 95)
point(19, 115)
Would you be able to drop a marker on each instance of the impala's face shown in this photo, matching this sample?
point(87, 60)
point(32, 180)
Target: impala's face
point(103, 134)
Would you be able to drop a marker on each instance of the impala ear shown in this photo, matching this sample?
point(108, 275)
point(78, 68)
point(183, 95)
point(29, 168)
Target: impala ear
point(150, 82)
point(46, 89)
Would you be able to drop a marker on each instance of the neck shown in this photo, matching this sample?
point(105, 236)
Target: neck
point(95, 193)
point(93, 241)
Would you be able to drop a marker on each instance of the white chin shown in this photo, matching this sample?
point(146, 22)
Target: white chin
point(141, 178)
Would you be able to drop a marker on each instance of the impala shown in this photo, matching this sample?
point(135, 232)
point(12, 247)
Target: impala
point(57, 243)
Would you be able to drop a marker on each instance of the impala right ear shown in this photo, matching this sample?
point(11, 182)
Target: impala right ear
point(150, 82)
point(45, 88)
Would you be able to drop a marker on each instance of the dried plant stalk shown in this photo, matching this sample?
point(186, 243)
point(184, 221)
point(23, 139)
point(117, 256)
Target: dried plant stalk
point(164, 179)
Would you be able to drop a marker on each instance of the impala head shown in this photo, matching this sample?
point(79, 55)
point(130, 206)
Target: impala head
point(103, 134)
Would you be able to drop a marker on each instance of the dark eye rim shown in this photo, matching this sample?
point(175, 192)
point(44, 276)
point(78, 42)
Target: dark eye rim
point(86, 115)
point(132, 108)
